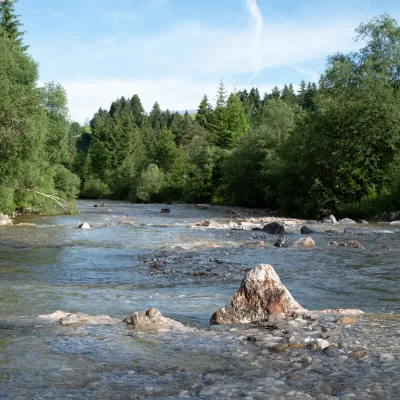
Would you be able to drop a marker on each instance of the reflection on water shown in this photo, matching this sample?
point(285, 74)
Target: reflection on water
point(54, 265)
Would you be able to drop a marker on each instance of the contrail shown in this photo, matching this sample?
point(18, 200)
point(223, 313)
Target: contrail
point(256, 56)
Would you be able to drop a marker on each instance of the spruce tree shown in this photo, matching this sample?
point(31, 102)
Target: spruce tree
point(219, 125)
point(9, 23)
point(204, 113)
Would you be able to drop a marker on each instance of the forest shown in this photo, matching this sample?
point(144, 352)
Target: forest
point(331, 146)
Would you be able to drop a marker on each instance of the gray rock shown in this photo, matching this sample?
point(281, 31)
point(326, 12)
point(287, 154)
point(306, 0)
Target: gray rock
point(282, 242)
point(260, 294)
point(65, 318)
point(165, 211)
point(347, 221)
point(395, 223)
point(330, 220)
point(153, 321)
point(274, 228)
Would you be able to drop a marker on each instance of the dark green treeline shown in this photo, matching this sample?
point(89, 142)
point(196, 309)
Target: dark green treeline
point(331, 147)
point(35, 144)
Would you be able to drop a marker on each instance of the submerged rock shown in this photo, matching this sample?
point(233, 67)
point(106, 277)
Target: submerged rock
point(153, 321)
point(165, 211)
point(282, 242)
point(353, 244)
point(5, 220)
point(260, 294)
point(85, 225)
point(305, 242)
point(65, 318)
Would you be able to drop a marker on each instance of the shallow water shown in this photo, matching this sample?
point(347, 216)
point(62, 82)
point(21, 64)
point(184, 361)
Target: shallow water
point(53, 265)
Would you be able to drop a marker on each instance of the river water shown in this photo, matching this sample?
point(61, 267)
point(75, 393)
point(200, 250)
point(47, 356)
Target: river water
point(116, 269)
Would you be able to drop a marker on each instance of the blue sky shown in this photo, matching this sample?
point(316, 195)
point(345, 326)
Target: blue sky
point(175, 51)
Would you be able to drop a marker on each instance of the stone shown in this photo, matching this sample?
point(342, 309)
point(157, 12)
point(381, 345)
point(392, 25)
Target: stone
point(165, 211)
point(67, 319)
point(330, 220)
point(347, 221)
point(5, 220)
point(274, 228)
point(357, 354)
point(330, 333)
point(281, 242)
point(261, 293)
point(395, 223)
point(153, 321)
point(279, 347)
point(347, 320)
point(384, 247)
point(85, 225)
point(353, 244)
point(305, 242)
point(322, 343)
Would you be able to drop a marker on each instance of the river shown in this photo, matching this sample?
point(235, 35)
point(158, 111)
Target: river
point(116, 269)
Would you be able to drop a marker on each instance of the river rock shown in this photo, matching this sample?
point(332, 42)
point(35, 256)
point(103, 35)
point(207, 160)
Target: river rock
point(85, 225)
point(347, 221)
point(66, 318)
point(330, 220)
point(260, 294)
point(5, 220)
point(305, 242)
point(281, 242)
point(353, 244)
point(395, 223)
point(274, 228)
point(165, 211)
point(153, 321)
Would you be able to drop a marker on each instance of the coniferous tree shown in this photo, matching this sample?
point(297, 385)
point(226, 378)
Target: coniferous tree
point(9, 23)
point(204, 113)
point(219, 124)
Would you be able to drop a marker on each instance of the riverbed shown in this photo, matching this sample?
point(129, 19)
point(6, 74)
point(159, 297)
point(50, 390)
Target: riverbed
point(135, 258)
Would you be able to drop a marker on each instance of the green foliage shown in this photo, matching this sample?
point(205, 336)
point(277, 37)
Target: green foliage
point(151, 184)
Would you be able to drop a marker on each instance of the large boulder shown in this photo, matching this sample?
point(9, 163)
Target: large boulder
point(274, 228)
point(260, 294)
point(5, 220)
point(153, 321)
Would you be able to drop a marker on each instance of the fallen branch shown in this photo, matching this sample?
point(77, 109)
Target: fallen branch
point(50, 196)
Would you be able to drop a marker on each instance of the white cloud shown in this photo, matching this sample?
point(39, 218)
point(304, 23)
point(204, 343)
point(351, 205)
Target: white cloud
point(56, 14)
point(256, 55)
point(180, 65)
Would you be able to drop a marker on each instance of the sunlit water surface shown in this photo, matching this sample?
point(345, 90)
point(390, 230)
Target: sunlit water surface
point(53, 265)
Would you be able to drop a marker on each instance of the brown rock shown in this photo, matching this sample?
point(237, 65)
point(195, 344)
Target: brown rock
point(260, 294)
point(353, 244)
point(305, 242)
point(279, 347)
point(347, 321)
point(153, 321)
point(297, 346)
